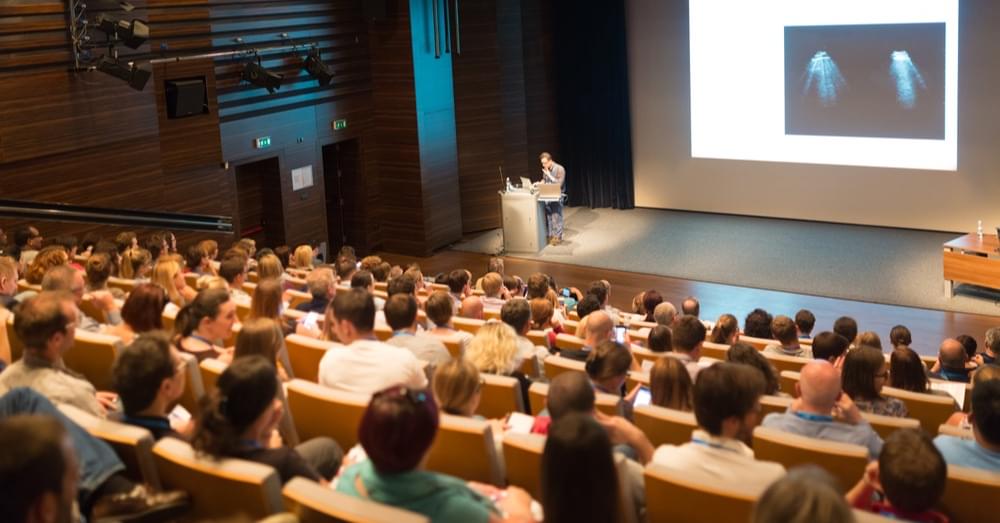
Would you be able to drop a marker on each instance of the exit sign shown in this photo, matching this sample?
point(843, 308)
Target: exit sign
point(339, 124)
point(262, 143)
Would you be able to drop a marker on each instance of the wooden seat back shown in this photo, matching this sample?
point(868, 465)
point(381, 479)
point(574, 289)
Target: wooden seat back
point(786, 382)
point(673, 496)
point(193, 387)
point(132, 444)
point(305, 353)
point(886, 425)
point(538, 394)
point(522, 455)
point(464, 448)
point(556, 365)
point(322, 411)
point(16, 346)
point(92, 355)
point(467, 324)
point(782, 362)
point(664, 426)
point(296, 298)
point(500, 395)
point(311, 502)
point(965, 491)
point(843, 461)
point(930, 409)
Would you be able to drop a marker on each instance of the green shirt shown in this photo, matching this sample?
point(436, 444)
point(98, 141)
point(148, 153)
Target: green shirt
point(440, 497)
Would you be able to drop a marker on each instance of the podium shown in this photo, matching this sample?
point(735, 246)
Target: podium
point(523, 221)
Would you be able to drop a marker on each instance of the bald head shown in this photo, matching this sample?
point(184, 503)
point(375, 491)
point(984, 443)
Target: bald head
point(599, 327)
point(952, 354)
point(819, 385)
point(570, 392)
point(472, 307)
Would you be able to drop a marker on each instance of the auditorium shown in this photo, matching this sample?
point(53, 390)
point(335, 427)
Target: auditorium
point(499, 261)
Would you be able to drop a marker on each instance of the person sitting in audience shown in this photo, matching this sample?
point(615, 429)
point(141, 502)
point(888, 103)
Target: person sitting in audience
point(47, 258)
point(660, 339)
point(786, 332)
point(991, 346)
point(727, 408)
point(111, 250)
point(149, 377)
point(823, 411)
point(211, 249)
point(284, 254)
point(142, 312)
point(27, 243)
point(471, 308)
point(982, 452)
point(688, 336)
point(579, 481)
point(910, 475)
point(198, 261)
point(167, 274)
point(364, 280)
point(495, 294)
point(514, 284)
point(8, 282)
point(202, 328)
point(650, 300)
point(323, 287)
point(637, 306)
point(156, 246)
point(757, 324)
point(587, 306)
point(951, 363)
point(269, 267)
point(302, 259)
point(542, 319)
point(401, 284)
point(439, 311)
point(907, 371)
point(45, 324)
point(971, 349)
point(864, 374)
point(986, 372)
point(126, 240)
point(366, 365)
point(494, 350)
point(262, 337)
point(831, 347)
point(396, 432)
point(608, 366)
point(238, 419)
point(869, 339)
point(847, 327)
point(267, 302)
point(64, 278)
point(746, 354)
point(458, 287)
point(137, 264)
point(346, 267)
point(70, 244)
point(691, 307)
point(805, 321)
point(599, 328)
point(664, 314)
point(517, 313)
point(401, 315)
point(900, 336)
point(670, 385)
point(726, 330)
point(807, 494)
point(233, 269)
point(98, 271)
point(601, 289)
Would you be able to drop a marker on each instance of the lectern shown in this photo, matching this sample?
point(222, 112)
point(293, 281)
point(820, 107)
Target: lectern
point(523, 221)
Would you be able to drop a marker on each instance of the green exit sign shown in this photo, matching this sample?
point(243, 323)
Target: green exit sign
point(262, 143)
point(339, 124)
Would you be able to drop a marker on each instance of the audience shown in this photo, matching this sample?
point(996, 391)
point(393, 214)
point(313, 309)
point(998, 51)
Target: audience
point(608, 366)
point(233, 269)
point(650, 300)
point(786, 332)
point(440, 309)
point(831, 347)
point(203, 327)
point(149, 378)
point(805, 321)
point(471, 307)
point(726, 330)
point(198, 261)
point(401, 315)
point(664, 314)
point(267, 300)
point(691, 307)
point(137, 264)
point(823, 411)
point(239, 418)
point(579, 480)
point(951, 363)
point(757, 324)
point(66, 279)
point(807, 494)
point(47, 258)
point(907, 371)
point(991, 346)
point(142, 312)
point(516, 312)
point(660, 339)
point(982, 452)
point(670, 385)
point(323, 287)
point(869, 339)
point(8, 282)
point(746, 354)
point(262, 337)
point(542, 319)
point(846, 327)
point(494, 351)
point(727, 408)
point(599, 328)
point(971, 349)
point(909, 475)
point(864, 374)
point(457, 387)
point(688, 336)
point(900, 335)
point(97, 272)
point(493, 291)
point(167, 274)
point(396, 432)
point(365, 365)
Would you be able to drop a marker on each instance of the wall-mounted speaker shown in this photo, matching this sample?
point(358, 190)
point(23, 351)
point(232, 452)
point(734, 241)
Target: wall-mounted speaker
point(186, 97)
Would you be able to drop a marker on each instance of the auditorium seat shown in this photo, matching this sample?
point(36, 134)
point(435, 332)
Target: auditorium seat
point(522, 455)
point(636, 378)
point(210, 370)
point(714, 350)
point(382, 332)
point(311, 502)
point(381, 286)
point(758, 343)
point(305, 353)
point(193, 388)
point(556, 365)
point(958, 432)
point(23, 286)
point(932, 410)
point(242, 311)
point(500, 395)
point(322, 411)
point(886, 425)
point(90, 308)
point(454, 346)
point(643, 355)
point(220, 489)
point(568, 342)
point(491, 314)
point(538, 338)
point(253, 276)
point(16, 347)
point(770, 404)
point(191, 278)
point(124, 284)
point(92, 355)
point(296, 298)
point(674, 496)
point(664, 426)
point(169, 316)
point(530, 367)
point(298, 284)
point(132, 444)
point(606, 403)
point(967, 493)
point(782, 362)
point(467, 324)
point(786, 382)
point(464, 448)
point(249, 287)
point(570, 325)
point(434, 287)
point(844, 461)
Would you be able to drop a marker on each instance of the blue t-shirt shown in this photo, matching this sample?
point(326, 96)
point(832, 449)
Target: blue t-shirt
point(967, 453)
point(438, 496)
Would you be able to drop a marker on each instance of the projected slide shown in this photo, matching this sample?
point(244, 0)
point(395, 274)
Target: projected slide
point(826, 82)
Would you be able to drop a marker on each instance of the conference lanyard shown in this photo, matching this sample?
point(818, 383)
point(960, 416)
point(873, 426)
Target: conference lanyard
point(710, 444)
point(809, 416)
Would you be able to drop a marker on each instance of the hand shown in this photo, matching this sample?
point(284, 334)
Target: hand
point(107, 399)
point(979, 360)
point(845, 410)
point(871, 476)
point(516, 502)
point(485, 489)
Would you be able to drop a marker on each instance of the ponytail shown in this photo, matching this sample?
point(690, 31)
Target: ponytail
point(244, 391)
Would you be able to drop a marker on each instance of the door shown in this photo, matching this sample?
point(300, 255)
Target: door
point(261, 214)
point(345, 195)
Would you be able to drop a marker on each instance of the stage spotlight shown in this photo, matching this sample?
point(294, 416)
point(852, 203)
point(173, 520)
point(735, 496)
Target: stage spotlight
point(255, 74)
point(823, 72)
point(907, 78)
point(135, 74)
point(314, 65)
point(131, 33)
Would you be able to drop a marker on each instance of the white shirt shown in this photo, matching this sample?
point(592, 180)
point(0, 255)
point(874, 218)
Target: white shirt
point(709, 458)
point(368, 366)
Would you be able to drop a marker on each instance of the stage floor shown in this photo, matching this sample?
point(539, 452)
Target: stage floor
point(862, 263)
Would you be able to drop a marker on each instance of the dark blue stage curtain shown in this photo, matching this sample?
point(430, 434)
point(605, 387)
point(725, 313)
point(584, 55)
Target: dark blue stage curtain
point(595, 141)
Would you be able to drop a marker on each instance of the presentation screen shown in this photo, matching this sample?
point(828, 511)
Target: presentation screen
point(847, 82)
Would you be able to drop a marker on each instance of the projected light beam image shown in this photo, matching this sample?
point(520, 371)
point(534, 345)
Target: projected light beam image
point(907, 78)
point(823, 73)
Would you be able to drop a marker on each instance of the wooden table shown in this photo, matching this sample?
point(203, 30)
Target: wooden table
point(971, 259)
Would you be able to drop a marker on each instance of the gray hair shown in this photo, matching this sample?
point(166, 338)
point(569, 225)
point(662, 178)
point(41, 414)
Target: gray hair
point(993, 339)
point(664, 313)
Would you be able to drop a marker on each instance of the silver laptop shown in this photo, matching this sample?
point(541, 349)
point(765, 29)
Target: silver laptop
point(549, 191)
point(525, 183)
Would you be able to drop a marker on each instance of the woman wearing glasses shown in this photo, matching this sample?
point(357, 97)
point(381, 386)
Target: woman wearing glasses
point(864, 374)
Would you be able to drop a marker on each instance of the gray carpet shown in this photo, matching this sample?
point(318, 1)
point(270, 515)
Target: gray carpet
point(874, 264)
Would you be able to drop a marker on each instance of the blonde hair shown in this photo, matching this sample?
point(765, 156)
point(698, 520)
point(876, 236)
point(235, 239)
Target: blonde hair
point(209, 281)
point(455, 385)
point(492, 283)
point(210, 248)
point(266, 302)
point(494, 349)
point(164, 272)
point(869, 339)
point(133, 261)
point(8, 267)
point(269, 266)
point(303, 257)
point(725, 328)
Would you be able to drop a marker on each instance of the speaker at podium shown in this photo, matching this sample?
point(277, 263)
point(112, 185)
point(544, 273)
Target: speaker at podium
point(523, 220)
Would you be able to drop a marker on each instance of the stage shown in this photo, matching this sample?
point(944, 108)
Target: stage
point(870, 264)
